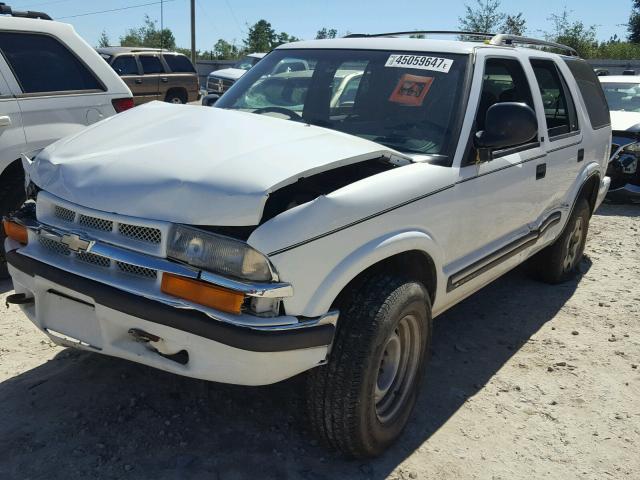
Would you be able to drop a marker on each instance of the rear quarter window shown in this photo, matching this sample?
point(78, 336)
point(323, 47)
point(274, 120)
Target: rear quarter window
point(179, 63)
point(591, 91)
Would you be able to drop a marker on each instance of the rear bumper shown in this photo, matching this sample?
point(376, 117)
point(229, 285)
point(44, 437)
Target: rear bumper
point(602, 191)
point(99, 317)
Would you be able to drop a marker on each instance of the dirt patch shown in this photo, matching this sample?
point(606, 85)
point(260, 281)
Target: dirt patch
point(526, 381)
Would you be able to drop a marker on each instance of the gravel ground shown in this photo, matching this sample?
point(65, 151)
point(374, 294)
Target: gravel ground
point(526, 381)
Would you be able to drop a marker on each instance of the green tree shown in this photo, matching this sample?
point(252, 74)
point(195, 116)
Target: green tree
point(149, 36)
point(224, 50)
point(325, 33)
point(261, 37)
point(485, 16)
point(104, 40)
point(514, 25)
point(633, 27)
point(283, 37)
point(573, 33)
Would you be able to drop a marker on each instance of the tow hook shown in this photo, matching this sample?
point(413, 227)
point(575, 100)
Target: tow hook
point(142, 336)
point(18, 299)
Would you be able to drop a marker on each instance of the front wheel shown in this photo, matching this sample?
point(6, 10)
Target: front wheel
point(360, 402)
point(559, 261)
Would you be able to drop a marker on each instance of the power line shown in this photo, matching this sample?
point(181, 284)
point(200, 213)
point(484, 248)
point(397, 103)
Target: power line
point(234, 17)
point(115, 9)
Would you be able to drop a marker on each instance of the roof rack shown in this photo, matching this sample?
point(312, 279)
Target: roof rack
point(508, 40)
point(7, 10)
point(501, 39)
point(422, 32)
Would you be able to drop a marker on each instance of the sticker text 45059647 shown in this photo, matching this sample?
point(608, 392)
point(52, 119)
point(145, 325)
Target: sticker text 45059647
point(421, 62)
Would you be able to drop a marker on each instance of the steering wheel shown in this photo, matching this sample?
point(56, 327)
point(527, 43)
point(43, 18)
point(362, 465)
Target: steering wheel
point(284, 111)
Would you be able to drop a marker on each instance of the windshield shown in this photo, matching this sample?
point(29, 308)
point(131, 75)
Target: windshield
point(622, 96)
point(245, 63)
point(406, 101)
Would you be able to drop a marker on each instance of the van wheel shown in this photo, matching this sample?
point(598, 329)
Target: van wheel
point(11, 197)
point(176, 96)
point(559, 261)
point(361, 400)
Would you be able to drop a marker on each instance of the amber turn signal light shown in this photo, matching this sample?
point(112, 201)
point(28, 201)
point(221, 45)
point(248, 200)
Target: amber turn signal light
point(202, 293)
point(15, 231)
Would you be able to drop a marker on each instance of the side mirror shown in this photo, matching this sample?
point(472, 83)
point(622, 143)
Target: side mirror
point(209, 100)
point(507, 124)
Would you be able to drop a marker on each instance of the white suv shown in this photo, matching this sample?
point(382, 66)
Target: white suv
point(52, 84)
point(309, 224)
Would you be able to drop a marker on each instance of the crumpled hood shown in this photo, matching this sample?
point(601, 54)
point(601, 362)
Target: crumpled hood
point(229, 73)
point(622, 121)
point(191, 164)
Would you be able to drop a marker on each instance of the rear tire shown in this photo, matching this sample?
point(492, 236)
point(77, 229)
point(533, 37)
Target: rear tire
point(361, 400)
point(559, 261)
point(12, 195)
point(176, 96)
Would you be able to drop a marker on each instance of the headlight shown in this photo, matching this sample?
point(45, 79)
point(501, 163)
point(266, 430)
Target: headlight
point(218, 254)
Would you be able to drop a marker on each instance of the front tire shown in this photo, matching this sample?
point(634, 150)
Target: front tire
point(559, 261)
point(360, 402)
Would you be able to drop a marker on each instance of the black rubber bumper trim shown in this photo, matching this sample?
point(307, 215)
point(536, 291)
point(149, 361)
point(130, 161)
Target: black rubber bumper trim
point(189, 321)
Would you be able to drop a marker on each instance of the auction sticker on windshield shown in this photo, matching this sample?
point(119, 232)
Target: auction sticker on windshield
point(421, 62)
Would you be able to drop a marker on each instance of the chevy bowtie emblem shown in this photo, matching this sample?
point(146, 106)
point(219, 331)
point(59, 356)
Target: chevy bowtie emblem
point(75, 243)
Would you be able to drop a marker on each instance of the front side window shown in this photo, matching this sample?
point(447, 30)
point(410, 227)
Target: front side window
point(179, 63)
point(125, 65)
point(623, 97)
point(42, 64)
point(406, 101)
point(559, 108)
point(151, 64)
point(245, 63)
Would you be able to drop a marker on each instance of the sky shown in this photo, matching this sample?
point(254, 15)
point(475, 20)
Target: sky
point(228, 19)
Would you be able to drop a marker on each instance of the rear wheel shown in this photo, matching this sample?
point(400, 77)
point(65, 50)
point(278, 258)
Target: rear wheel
point(176, 96)
point(11, 197)
point(559, 261)
point(360, 402)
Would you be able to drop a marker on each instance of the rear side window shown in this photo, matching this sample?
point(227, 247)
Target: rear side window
point(591, 91)
point(151, 64)
point(179, 63)
point(125, 65)
point(42, 64)
point(559, 109)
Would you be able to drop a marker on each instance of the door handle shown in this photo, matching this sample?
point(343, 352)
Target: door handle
point(581, 154)
point(5, 121)
point(164, 79)
point(541, 171)
point(138, 81)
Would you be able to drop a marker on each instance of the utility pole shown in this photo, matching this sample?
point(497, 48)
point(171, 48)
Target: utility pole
point(193, 31)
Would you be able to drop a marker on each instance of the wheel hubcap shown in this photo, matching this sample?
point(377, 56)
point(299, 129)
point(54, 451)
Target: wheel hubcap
point(573, 246)
point(397, 368)
point(176, 100)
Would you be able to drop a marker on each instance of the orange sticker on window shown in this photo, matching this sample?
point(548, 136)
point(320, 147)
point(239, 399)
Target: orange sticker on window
point(411, 90)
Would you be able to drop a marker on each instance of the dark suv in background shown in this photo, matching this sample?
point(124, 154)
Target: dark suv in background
point(154, 74)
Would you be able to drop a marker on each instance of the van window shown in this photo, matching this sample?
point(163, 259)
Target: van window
point(559, 109)
point(42, 64)
point(151, 64)
point(125, 65)
point(179, 63)
point(591, 91)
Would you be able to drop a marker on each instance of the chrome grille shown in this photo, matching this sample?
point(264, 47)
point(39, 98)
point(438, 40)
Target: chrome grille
point(94, 259)
point(95, 223)
point(136, 270)
point(56, 247)
point(64, 214)
point(143, 234)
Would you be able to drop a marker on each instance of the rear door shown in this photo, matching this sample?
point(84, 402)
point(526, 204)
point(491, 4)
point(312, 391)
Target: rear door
point(126, 66)
point(58, 94)
point(152, 70)
point(560, 130)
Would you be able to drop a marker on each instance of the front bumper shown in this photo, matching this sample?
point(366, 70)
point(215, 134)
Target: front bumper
point(625, 193)
point(80, 312)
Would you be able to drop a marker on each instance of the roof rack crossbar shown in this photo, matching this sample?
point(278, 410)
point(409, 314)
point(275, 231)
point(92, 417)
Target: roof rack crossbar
point(7, 10)
point(422, 32)
point(505, 39)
